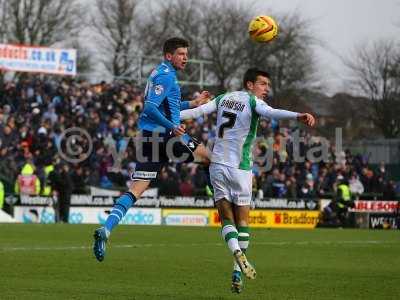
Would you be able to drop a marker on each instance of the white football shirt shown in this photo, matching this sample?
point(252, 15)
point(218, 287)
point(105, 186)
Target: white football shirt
point(237, 122)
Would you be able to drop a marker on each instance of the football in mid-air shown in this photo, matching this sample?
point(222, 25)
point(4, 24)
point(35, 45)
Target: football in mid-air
point(263, 29)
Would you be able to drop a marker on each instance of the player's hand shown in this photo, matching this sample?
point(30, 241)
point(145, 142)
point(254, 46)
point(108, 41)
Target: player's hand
point(307, 119)
point(203, 98)
point(179, 130)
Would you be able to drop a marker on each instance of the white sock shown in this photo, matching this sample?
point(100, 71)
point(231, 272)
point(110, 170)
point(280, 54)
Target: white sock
point(243, 246)
point(230, 235)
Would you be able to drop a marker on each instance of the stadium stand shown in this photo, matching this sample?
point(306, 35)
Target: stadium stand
point(34, 113)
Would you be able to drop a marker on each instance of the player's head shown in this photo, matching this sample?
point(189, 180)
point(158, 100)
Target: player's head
point(175, 50)
point(257, 82)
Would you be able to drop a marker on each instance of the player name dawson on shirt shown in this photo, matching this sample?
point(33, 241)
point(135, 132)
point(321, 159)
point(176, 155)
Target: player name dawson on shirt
point(231, 104)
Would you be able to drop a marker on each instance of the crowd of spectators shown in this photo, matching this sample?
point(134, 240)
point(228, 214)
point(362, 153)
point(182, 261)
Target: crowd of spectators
point(34, 114)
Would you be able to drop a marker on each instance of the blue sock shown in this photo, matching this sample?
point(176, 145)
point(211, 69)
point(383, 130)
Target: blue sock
point(119, 210)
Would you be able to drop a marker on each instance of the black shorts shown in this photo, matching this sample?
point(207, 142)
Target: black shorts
point(154, 150)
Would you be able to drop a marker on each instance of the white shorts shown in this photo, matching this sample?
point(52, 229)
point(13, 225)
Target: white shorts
point(235, 185)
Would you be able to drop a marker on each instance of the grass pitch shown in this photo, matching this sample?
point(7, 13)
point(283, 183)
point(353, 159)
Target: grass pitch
point(56, 262)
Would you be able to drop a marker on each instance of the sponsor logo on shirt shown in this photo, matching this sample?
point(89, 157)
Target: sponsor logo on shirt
point(144, 174)
point(158, 89)
point(154, 73)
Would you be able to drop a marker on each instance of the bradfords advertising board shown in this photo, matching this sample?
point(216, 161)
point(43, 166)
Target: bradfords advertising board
point(295, 219)
point(37, 59)
point(276, 219)
point(185, 217)
point(376, 206)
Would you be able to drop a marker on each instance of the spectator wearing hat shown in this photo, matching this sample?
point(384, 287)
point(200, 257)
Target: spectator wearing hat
point(307, 189)
point(343, 199)
point(27, 182)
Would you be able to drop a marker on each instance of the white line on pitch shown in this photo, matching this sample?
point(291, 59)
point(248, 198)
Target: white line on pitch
point(151, 245)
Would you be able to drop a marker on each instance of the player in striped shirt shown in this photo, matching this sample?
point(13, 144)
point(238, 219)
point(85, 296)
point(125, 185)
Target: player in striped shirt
point(231, 159)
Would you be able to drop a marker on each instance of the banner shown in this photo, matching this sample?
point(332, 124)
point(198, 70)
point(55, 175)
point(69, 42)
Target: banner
point(102, 197)
point(376, 206)
point(383, 221)
point(176, 202)
point(276, 219)
point(36, 200)
point(90, 200)
point(282, 203)
point(185, 217)
point(108, 200)
point(38, 59)
point(86, 215)
point(34, 214)
point(96, 191)
point(97, 215)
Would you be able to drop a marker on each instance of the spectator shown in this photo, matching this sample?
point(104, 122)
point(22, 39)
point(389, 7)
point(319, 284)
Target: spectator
point(186, 187)
point(266, 182)
point(279, 189)
point(307, 189)
point(389, 191)
point(167, 185)
point(356, 187)
point(291, 188)
point(200, 182)
point(367, 179)
point(343, 200)
point(27, 182)
point(322, 184)
point(79, 181)
point(61, 183)
point(7, 137)
point(47, 169)
point(109, 112)
point(382, 171)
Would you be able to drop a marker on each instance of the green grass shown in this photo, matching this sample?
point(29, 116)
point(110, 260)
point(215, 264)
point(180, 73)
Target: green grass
point(193, 263)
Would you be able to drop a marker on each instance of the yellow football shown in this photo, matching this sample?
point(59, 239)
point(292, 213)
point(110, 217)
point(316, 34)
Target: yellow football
point(263, 29)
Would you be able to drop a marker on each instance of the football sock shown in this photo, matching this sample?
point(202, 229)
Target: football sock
point(243, 238)
point(230, 235)
point(118, 211)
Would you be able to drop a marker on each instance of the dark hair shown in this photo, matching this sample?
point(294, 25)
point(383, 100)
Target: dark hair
point(174, 43)
point(251, 75)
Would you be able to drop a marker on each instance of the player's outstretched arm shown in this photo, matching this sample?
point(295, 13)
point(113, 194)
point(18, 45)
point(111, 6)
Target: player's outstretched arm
point(265, 110)
point(203, 98)
point(307, 119)
point(204, 109)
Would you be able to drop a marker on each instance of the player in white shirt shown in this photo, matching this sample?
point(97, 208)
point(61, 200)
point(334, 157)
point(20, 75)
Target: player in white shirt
point(231, 159)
